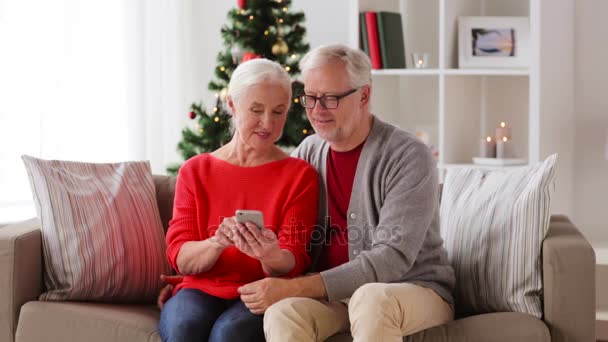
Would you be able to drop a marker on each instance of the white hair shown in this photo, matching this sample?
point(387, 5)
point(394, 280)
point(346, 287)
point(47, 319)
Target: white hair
point(255, 71)
point(357, 64)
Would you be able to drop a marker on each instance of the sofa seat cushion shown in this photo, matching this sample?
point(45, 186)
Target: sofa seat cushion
point(493, 327)
point(90, 322)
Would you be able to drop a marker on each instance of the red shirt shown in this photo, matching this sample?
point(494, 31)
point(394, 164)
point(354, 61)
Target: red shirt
point(209, 189)
point(341, 168)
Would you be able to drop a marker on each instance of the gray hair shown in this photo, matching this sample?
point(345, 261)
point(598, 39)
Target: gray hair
point(255, 71)
point(357, 64)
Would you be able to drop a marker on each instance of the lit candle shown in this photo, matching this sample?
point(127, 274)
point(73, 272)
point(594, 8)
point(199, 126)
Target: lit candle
point(487, 148)
point(503, 131)
point(504, 148)
point(420, 60)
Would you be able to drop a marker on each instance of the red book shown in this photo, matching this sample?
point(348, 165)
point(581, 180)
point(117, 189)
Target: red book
point(372, 37)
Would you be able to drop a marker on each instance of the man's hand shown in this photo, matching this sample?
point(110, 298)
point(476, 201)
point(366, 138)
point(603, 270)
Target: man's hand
point(167, 291)
point(261, 294)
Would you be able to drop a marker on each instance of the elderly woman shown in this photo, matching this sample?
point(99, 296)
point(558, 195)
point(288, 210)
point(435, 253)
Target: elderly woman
point(216, 254)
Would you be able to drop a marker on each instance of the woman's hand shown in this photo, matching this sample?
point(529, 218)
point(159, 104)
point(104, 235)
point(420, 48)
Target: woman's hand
point(223, 234)
point(259, 244)
point(262, 245)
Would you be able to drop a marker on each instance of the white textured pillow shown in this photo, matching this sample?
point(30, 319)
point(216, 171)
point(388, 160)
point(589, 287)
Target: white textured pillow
point(493, 224)
point(102, 236)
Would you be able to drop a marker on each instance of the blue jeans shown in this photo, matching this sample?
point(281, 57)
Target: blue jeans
point(192, 315)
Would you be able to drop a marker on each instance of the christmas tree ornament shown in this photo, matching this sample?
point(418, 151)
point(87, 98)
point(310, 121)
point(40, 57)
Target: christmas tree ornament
point(280, 47)
point(242, 4)
point(223, 94)
point(249, 56)
point(192, 115)
point(236, 53)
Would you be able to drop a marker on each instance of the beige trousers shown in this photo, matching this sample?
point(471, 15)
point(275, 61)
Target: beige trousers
point(375, 312)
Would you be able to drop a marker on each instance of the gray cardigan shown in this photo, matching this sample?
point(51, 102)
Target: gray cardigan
point(393, 215)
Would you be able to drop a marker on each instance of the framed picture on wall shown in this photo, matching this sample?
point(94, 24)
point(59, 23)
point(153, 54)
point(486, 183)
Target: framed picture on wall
point(493, 42)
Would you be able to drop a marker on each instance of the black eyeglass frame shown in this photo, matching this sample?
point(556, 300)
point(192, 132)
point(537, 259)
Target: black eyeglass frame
point(323, 98)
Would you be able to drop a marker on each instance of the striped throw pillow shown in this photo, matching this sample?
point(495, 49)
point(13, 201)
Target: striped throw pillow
point(493, 224)
point(102, 237)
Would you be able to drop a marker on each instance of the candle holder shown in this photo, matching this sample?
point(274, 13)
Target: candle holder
point(420, 59)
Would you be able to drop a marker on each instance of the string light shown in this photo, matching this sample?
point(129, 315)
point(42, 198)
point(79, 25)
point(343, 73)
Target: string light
point(242, 12)
point(287, 68)
point(296, 100)
point(250, 17)
point(266, 32)
point(222, 68)
point(305, 131)
point(216, 119)
point(294, 56)
point(281, 20)
point(215, 110)
point(279, 1)
point(285, 9)
point(201, 130)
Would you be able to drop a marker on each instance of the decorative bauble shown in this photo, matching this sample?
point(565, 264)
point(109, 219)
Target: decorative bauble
point(223, 94)
point(249, 56)
point(280, 47)
point(236, 53)
point(192, 115)
point(242, 4)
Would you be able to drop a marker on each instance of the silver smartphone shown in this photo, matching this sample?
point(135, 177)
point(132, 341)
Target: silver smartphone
point(253, 216)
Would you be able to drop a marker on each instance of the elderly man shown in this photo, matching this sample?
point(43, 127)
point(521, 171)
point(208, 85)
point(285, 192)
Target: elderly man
point(383, 272)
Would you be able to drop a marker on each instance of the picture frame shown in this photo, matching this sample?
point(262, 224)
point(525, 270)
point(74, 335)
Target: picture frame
point(493, 42)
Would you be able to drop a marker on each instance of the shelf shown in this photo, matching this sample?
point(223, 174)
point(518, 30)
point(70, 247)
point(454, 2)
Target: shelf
point(488, 72)
point(456, 106)
point(401, 72)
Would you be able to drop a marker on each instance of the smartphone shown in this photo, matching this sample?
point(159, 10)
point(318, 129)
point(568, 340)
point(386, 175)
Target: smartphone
point(253, 216)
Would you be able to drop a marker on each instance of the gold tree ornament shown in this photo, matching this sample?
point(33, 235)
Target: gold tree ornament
point(280, 47)
point(223, 94)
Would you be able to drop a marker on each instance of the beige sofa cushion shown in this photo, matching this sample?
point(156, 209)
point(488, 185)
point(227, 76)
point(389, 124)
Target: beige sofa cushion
point(89, 322)
point(64, 321)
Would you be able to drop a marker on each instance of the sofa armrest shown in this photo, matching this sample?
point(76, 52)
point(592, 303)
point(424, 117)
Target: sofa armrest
point(569, 283)
point(21, 270)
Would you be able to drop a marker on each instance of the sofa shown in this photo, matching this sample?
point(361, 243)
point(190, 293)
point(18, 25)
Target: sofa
point(568, 263)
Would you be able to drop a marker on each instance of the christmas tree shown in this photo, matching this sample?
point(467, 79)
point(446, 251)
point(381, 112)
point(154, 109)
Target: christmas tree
point(256, 29)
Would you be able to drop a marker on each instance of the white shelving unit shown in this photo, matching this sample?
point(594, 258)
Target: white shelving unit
point(456, 107)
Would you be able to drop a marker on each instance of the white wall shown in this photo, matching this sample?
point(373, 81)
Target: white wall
point(591, 124)
point(557, 98)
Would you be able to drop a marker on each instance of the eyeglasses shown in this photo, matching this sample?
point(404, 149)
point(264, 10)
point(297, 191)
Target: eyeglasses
point(327, 101)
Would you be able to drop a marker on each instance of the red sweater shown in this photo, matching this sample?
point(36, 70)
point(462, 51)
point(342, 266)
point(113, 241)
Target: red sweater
point(209, 189)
